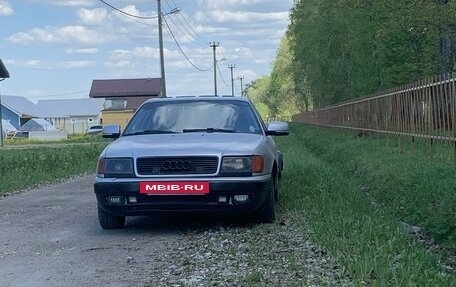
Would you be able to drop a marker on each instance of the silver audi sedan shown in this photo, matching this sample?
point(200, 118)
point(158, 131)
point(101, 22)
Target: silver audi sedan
point(190, 154)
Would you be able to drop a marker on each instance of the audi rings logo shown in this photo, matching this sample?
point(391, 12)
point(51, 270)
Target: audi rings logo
point(176, 165)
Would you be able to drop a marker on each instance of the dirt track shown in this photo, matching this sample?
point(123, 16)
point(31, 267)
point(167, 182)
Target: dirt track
point(50, 237)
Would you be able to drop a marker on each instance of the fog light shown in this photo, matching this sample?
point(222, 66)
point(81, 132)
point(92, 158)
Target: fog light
point(116, 200)
point(241, 197)
point(132, 199)
point(222, 199)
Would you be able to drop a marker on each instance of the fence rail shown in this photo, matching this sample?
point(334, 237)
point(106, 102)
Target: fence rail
point(423, 109)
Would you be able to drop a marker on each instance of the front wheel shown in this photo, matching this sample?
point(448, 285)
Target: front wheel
point(108, 221)
point(267, 213)
point(275, 178)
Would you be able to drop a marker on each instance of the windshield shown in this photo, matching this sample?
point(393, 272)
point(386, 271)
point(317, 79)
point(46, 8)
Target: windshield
point(194, 116)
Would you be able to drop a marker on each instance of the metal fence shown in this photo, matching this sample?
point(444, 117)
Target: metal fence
point(424, 109)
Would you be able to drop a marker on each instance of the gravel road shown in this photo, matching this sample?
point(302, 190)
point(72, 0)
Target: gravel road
point(49, 236)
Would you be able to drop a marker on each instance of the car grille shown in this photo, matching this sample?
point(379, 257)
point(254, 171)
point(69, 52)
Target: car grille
point(176, 165)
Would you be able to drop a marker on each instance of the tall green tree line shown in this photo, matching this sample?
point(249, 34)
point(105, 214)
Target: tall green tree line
point(336, 50)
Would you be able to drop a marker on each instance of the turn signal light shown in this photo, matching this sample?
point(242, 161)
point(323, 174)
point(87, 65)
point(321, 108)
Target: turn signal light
point(257, 164)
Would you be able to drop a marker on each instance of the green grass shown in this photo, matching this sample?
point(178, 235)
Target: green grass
point(353, 192)
point(76, 138)
point(26, 167)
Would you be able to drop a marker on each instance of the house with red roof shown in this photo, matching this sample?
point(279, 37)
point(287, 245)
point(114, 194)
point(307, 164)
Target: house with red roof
point(123, 97)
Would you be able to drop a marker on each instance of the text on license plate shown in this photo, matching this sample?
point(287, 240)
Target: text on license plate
point(165, 187)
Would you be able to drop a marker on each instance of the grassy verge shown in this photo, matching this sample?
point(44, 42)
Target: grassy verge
point(22, 168)
point(76, 138)
point(353, 192)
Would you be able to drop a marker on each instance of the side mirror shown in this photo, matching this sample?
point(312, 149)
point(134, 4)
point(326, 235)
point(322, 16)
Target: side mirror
point(278, 129)
point(111, 131)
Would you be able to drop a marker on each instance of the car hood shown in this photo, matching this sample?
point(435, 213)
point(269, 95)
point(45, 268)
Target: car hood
point(218, 144)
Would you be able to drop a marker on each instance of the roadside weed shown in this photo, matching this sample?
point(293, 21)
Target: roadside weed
point(350, 193)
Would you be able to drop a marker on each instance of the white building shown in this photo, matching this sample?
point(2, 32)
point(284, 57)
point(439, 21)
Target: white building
point(72, 115)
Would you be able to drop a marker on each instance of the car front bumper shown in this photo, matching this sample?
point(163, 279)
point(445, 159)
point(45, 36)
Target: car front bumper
point(130, 202)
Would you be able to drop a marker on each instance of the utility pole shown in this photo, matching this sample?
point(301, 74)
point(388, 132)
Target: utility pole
point(214, 46)
point(232, 79)
point(242, 86)
point(162, 54)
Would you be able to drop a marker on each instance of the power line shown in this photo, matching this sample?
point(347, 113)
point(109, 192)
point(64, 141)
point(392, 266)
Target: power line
point(201, 39)
point(187, 33)
point(221, 76)
point(55, 95)
point(236, 77)
point(180, 48)
point(64, 94)
point(128, 14)
point(236, 88)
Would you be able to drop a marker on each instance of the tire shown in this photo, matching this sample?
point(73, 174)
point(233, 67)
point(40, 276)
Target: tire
point(267, 213)
point(280, 160)
point(275, 184)
point(108, 221)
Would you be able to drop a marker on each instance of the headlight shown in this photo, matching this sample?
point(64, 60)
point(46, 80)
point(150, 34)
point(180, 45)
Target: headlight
point(249, 164)
point(115, 167)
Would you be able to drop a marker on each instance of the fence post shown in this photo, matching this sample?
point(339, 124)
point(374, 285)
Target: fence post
point(432, 90)
point(453, 96)
point(412, 113)
point(448, 105)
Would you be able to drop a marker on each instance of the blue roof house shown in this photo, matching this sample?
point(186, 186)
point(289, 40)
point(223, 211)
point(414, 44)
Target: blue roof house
point(70, 115)
point(19, 110)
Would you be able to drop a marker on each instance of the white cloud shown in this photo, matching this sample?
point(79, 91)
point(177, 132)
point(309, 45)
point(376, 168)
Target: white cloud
point(21, 37)
point(178, 64)
point(82, 51)
point(32, 63)
point(71, 3)
point(221, 16)
point(119, 54)
point(243, 52)
point(91, 17)
point(5, 8)
point(262, 61)
point(38, 64)
point(138, 52)
point(119, 64)
point(146, 52)
point(65, 35)
point(248, 74)
point(131, 9)
point(9, 62)
point(75, 64)
point(223, 4)
point(200, 29)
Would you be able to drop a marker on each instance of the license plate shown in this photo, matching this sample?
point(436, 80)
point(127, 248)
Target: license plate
point(174, 188)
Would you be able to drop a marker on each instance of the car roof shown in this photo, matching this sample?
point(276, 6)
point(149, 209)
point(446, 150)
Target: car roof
point(199, 98)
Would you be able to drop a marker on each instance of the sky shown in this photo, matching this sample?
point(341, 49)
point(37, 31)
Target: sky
point(53, 49)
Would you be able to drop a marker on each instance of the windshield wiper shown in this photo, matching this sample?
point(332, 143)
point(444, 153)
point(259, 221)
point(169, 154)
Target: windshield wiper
point(149, 132)
point(209, 130)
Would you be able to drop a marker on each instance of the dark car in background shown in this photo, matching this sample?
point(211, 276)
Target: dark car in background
point(200, 154)
point(93, 130)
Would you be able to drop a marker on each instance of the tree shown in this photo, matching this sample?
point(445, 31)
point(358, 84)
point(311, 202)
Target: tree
point(344, 49)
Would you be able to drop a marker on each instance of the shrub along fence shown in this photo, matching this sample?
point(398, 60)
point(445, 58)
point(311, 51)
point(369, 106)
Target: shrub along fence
point(424, 109)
